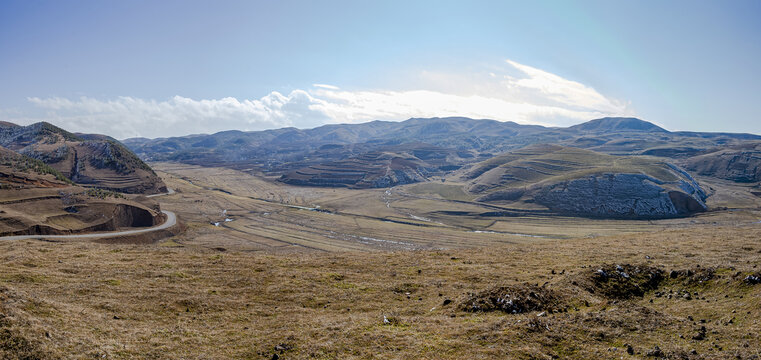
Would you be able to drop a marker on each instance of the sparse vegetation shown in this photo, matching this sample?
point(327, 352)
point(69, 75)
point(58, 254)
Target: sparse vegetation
point(102, 194)
point(20, 163)
point(624, 281)
point(185, 300)
point(516, 299)
point(113, 155)
point(267, 270)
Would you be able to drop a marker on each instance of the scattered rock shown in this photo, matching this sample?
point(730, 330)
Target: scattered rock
point(753, 279)
point(283, 347)
point(701, 334)
point(655, 352)
point(696, 275)
point(624, 281)
point(514, 299)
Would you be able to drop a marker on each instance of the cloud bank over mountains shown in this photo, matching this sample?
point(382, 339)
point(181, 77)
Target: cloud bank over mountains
point(512, 92)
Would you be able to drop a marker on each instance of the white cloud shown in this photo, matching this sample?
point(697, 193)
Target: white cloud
point(517, 93)
point(326, 86)
point(128, 117)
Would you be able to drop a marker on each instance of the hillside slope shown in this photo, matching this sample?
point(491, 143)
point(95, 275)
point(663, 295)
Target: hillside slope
point(583, 182)
point(36, 199)
point(739, 164)
point(388, 166)
point(93, 160)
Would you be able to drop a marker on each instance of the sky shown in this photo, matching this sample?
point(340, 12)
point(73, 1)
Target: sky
point(172, 68)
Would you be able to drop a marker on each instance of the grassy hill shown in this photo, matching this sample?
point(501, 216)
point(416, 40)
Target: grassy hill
point(739, 163)
point(13, 164)
point(37, 199)
point(94, 160)
point(553, 163)
point(583, 182)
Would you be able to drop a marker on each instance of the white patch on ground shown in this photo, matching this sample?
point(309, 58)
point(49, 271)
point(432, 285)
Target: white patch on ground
point(505, 233)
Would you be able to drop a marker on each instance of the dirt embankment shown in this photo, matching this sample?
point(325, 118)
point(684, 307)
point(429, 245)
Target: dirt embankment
point(97, 217)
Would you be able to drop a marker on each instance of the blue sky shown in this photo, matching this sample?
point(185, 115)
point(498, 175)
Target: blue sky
point(161, 68)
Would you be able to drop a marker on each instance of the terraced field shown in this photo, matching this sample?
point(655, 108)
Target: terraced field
point(370, 170)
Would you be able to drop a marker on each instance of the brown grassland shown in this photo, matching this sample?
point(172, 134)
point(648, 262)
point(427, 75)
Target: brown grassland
point(387, 274)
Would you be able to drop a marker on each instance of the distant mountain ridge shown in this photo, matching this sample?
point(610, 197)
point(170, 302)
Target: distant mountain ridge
point(282, 151)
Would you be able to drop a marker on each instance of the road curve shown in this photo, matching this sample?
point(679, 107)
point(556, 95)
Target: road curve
point(171, 220)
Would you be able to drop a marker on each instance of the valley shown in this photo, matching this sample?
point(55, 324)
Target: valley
point(613, 249)
point(391, 180)
point(266, 215)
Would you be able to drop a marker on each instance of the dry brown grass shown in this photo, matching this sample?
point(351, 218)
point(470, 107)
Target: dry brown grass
point(417, 216)
point(169, 300)
point(305, 284)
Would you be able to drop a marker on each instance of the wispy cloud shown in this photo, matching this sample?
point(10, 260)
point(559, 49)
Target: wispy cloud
point(518, 93)
point(326, 86)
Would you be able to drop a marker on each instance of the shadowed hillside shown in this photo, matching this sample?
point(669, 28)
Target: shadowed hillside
point(389, 166)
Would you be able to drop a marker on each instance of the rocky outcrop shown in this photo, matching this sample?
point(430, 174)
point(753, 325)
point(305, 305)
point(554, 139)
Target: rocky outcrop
point(624, 196)
point(741, 165)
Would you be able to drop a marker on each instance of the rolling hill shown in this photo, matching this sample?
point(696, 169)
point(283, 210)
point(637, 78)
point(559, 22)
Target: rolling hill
point(36, 199)
point(92, 160)
point(582, 182)
point(384, 167)
point(282, 151)
point(738, 163)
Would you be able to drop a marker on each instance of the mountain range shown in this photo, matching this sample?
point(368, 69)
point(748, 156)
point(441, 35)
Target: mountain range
point(437, 146)
point(609, 167)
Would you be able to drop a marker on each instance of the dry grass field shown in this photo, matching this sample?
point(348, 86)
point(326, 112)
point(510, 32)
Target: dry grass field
point(387, 274)
point(87, 300)
point(270, 216)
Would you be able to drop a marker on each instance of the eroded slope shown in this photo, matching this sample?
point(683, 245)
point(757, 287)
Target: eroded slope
point(586, 183)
